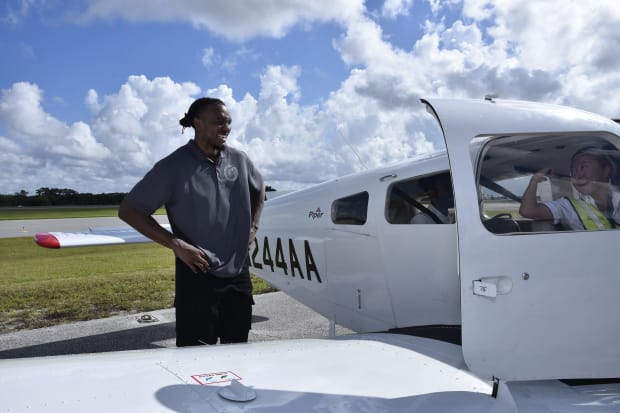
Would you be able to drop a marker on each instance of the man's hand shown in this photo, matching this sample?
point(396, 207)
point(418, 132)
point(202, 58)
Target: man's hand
point(541, 175)
point(252, 235)
point(192, 256)
point(530, 207)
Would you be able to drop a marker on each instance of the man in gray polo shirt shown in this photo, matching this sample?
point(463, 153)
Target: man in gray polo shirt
point(213, 197)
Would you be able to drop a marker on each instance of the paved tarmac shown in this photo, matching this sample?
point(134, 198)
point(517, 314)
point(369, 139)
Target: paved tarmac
point(27, 228)
point(276, 316)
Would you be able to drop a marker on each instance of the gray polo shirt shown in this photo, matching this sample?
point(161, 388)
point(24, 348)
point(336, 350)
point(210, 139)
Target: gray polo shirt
point(208, 203)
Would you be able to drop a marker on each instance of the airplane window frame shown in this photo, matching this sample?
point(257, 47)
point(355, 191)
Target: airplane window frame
point(529, 154)
point(414, 200)
point(351, 210)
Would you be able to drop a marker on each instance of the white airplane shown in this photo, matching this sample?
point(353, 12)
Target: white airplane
point(534, 305)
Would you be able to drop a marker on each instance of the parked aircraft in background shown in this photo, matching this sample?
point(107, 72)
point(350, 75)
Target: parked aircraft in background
point(533, 305)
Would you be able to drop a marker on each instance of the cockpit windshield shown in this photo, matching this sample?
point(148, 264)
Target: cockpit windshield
point(549, 182)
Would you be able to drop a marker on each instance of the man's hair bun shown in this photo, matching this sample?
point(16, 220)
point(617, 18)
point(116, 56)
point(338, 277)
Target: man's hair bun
point(196, 108)
point(186, 121)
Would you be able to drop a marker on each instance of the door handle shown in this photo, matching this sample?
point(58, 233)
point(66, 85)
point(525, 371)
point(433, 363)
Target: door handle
point(492, 286)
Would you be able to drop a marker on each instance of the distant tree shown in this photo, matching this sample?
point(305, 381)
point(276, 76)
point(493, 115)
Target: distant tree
point(57, 196)
point(20, 198)
point(64, 196)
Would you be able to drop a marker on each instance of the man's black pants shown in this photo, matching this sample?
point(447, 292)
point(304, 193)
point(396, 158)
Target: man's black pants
point(208, 308)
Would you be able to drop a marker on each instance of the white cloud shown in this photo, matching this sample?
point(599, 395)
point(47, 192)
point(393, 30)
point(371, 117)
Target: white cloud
point(395, 8)
point(208, 56)
point(553, 51)
point(283, 138)
point(16, 10)
point(233, 19)
point(550, 35)
point(22, 112)
point(140, 123)
point(42, 147)
point(514, 49)
point(569, 43)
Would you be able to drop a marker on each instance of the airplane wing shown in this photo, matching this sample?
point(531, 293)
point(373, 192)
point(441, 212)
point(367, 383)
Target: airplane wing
point(105, 235)
point(358, 373)
point(95, 236)
point(353, 373)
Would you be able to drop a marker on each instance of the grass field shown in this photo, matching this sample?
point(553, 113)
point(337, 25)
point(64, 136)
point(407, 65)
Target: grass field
point(41, 287)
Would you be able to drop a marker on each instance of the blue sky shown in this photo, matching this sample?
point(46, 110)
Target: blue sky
point(91, 91)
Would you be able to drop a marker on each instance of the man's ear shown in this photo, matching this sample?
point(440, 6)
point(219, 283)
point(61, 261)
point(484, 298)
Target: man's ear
point(197, 124)
point(608, 171)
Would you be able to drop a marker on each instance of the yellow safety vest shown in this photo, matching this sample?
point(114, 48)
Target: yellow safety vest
point(590, 216)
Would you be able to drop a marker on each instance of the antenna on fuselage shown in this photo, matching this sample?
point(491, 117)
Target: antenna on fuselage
point(351, 147)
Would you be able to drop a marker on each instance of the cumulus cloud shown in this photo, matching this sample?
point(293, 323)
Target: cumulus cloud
point(524, 51)
point(16, 10)
point(567, 42)
point(141, 121)
point(22, 112)
point(43, 145)
point(232, 19)
point(555, 51)
point(284, 138)
point(394, 8)
point(293, 145)
point(208, 55)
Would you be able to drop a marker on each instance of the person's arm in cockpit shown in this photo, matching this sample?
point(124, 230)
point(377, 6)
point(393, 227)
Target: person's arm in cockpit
point(530, 207)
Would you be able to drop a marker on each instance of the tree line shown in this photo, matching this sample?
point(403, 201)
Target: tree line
point(64, 196)
point(60, 196)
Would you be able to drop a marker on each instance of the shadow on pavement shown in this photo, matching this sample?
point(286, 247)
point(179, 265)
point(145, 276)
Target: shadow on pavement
point(132, 339)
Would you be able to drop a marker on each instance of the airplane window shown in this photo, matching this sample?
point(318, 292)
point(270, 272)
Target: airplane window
point(351, 210)
point(426, 200)
point(550, 182)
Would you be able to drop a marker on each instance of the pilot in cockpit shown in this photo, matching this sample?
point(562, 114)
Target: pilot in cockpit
point(598, 203)
point(399, 210)
point(438, 188)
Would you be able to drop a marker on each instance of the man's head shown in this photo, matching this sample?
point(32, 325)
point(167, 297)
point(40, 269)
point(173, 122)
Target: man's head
point(210, 120)
point(589, 168)
point(436, 185)
point(439, 190)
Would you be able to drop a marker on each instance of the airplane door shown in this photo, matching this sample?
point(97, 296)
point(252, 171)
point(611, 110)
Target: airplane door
point(537, 302)
point(419, 255)
point(357, 291)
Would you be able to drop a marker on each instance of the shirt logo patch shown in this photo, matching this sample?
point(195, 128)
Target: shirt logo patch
point(230, 173)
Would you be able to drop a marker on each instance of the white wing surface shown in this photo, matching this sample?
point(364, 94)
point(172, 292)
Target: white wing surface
point(95, 236)
point(371, 373)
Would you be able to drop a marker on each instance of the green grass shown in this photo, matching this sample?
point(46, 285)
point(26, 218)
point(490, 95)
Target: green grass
point(62, 212)
point(41, 287)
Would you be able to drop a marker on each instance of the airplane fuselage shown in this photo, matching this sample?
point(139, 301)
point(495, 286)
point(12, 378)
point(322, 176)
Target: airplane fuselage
point(395, 274)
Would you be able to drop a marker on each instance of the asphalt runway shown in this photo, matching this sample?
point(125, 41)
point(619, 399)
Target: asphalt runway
point(27, 228)
point(276, 316)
